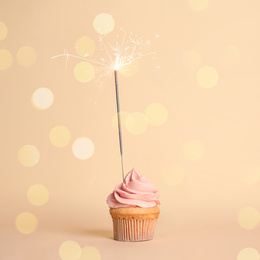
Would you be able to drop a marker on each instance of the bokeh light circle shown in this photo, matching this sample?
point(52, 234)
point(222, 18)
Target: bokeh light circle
point(6, 59)
point(248, 254)
point(84, 72)
point(42, 98)
point(85, 46)
point(38, 195)
point(28, 155)
point(156, 114)
point(207, 77)
point(70, 250)
point(90, 253)
point(26, 56)
point(104, 23)
point(3, 31)
point(173, 175)
point(191, 59)
point(193, 150)
point(26, 223)
point(60, 136)
point(248, 218)
point(123, 116)
point(83, 148)
point(250, 173)
point(198, 5)
point(136, 123)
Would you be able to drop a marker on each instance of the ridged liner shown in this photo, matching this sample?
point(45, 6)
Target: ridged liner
point(133, 229)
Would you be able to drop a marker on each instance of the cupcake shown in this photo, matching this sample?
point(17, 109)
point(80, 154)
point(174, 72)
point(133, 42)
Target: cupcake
point(133, 208)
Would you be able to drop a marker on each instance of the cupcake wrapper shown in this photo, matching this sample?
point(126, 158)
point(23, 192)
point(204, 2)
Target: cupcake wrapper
point(133, 229)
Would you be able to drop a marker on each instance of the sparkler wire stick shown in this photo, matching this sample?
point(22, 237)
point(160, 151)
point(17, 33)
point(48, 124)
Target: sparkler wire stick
point(119, 123)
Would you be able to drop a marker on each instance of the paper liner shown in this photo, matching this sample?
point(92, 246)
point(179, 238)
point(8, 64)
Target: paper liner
point(133, 229)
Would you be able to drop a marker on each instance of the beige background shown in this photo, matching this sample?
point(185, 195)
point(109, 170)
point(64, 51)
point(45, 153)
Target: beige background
point(190, 125)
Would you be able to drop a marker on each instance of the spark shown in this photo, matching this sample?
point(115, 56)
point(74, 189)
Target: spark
point(74, 56)
point(119, 57)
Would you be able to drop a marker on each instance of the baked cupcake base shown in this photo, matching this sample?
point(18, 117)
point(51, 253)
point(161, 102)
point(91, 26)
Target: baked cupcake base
point(134, 223)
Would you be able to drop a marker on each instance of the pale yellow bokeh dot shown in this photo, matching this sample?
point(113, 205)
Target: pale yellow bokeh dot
point(6, 59)
point(156, 114)
point(248, 218)
point(83, 148)
point(248, 254)
point(104, 23)
point(60, 136)
point(193, 150)
point(231, 56)
point(84, 72)
point(26, 223)
point(136, 123)
point(70, 250)
point(123, 116)
point(173, 175)
point(3, 31)
point(85, 46)
point(28, 155)
point(42, 98)
point(26, 56)
point(207, 77)
point(250, 173)
point(191, 59)
point(90, 253)
point(38, 195)
point(198, 5)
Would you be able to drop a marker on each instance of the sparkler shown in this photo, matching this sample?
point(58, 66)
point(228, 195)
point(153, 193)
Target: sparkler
point(118, 59)
point(119, 124)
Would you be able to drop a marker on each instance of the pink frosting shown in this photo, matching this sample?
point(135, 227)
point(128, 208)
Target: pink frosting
point(136, 190)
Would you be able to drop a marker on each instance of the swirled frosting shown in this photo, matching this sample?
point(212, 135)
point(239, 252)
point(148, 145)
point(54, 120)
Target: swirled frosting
point(136, 190)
